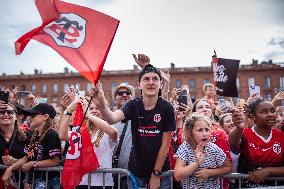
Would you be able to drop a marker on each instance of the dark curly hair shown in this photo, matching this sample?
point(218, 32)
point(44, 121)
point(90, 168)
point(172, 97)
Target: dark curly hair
point(250, 107)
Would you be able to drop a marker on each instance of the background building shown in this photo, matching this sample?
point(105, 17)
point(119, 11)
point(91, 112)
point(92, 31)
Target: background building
point(269, 76)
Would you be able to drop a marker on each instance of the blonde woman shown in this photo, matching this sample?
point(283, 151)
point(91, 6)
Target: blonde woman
point(103, 136)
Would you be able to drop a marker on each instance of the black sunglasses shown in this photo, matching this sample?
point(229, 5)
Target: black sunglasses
point(9, 112)
point(120, 93)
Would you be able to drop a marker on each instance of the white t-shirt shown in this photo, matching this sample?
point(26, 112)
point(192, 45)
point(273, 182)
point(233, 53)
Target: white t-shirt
point(104, 154)
point(215, 157)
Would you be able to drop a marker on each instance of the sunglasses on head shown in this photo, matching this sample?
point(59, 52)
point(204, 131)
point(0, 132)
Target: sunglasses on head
point(120, 93)
point(9, 112)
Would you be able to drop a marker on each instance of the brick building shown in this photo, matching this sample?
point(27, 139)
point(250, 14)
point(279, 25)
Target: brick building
point(269, 76)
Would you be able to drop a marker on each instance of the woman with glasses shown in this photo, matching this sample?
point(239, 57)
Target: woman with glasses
point(43, 149)
point(12, 139)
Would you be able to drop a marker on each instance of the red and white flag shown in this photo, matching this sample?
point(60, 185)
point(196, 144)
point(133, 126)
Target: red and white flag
point(80, 157)
point(82, 36)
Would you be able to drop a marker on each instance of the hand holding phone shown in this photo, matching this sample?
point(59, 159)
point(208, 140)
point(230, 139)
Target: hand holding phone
point(182, 99)
point(4, 96)
point(222, 105)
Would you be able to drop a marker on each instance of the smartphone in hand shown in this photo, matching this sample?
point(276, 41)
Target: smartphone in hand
point(4, 96)
point(182, 99)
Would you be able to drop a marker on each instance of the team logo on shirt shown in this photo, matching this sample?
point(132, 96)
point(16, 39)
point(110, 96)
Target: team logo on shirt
point(277, 148)
point(75, 144)
point(157, 118)
point(213, 139)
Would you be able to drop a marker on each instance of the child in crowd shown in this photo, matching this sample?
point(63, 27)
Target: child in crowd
point(43, 150)
point(198, 158)
point(103, 136)
point(261, 146)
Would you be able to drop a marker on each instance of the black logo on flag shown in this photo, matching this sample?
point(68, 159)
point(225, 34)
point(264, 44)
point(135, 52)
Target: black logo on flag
point(225, 74)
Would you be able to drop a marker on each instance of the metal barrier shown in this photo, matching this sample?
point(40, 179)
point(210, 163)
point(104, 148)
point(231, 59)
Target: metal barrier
point(237, 176)
point(124, 172)
point(104, 171)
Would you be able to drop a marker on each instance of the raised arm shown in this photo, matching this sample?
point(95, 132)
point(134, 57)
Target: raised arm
point(236, 134)
point(103, 125)
point(100, 101)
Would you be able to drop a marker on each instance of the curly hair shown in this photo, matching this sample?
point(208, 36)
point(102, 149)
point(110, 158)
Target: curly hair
point(250, 106)
point(189, 124)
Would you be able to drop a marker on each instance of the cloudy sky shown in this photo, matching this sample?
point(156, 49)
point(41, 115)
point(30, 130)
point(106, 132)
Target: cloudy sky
point(184, 32)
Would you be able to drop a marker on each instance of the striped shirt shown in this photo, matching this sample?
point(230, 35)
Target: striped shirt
point(215, 157)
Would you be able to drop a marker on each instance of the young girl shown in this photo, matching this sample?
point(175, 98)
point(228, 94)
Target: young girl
point(261, 146)
point(198, 158)
point(43, 149)
point(103, 136)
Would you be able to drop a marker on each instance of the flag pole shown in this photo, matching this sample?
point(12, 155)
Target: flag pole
point(89, 103)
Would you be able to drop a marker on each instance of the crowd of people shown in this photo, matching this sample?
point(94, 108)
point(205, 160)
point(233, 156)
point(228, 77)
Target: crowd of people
point(147, 135)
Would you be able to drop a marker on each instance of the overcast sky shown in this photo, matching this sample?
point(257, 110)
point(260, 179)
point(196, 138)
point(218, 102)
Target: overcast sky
point(184, 32)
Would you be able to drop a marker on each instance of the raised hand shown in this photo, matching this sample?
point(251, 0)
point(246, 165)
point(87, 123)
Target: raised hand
point(98, 95)
point(239, 119)
point(199, 154)
point(142, 60)
point(166, 76)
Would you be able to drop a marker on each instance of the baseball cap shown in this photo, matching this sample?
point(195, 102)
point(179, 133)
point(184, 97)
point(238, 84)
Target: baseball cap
point(149, 68)
point(123, 85)
point(41, 108)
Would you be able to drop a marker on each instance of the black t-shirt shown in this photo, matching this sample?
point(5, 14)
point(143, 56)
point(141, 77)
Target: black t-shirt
point(147, 127)
point(48, 148)
point(14, 146)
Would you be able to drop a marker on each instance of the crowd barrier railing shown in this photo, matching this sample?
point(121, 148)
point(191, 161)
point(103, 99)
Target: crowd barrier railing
point(104, 171)
point(132, 178)
point(236, 176)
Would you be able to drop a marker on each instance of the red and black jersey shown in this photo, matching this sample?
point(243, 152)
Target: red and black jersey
point(257, 152)
point(219, 137)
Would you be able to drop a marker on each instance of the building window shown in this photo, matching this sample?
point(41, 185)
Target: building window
point(23, 87)
point(238, 83)
point(281, 82)
point(251, 81)
point(266, 82)
point(205, 81)
point(66, 87)
point(192, 85)
point(113, 84)
point(55, 88)
point(89, 86)
point(33, 88)
point(54, 100)
point(268, 97)
point(44, 88)
point(178, 83)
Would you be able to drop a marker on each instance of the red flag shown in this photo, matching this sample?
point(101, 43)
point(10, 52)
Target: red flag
point(80, 157)
point(82, 36)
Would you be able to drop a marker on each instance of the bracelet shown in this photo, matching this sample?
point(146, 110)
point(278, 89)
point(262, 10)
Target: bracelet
point(35, 164)
point(67, 113)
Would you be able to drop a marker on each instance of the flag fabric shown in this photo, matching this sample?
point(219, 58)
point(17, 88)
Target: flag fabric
point(82, 36)
point(80, 157)
point(225, 75)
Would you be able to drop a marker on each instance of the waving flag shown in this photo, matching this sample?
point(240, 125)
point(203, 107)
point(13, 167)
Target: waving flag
point(225, 74)
point(80, 157)
point(82, 36)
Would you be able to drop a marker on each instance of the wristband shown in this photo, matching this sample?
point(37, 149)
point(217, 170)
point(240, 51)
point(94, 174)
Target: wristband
point(67, 113)
point(156, 173)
